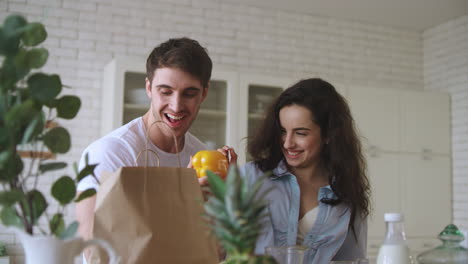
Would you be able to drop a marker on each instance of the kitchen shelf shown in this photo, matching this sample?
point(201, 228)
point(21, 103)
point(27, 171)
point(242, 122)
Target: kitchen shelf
point(256, 116)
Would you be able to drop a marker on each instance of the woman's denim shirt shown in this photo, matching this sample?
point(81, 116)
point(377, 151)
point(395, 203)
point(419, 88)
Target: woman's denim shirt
point(329, 239)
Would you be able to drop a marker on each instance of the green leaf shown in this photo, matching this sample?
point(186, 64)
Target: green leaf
point(8, 44)
point(68, 106)
point(51, 166)
point(5, 157)
point(34, 128)
point(43, 87)
point(37, 57)
point(21, 64)
point(14, 25)
point(88, 170)
point(35, 205)
point(9, 198)
point(64, 190)
point(217, 185)
point(11, 165)
point(34, 34)
point(57, 224)
point(9, 217)
point(20, 114)
point(70, 231)
point(57, 140)
point(86, 194)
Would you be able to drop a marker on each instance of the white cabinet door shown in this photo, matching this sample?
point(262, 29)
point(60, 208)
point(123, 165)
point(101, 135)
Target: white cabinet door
point(426, 188)
point(216, 120)
point(122, 77)
point(257, 92)
point(425, 122)
point(383, 173)
point(376, 112)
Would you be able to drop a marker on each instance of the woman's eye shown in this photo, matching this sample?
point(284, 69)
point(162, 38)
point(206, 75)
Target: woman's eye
point(301, 134)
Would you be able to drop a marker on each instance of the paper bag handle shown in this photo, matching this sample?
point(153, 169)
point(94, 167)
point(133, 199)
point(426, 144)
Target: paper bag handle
point(113, 258)
point(146, 150)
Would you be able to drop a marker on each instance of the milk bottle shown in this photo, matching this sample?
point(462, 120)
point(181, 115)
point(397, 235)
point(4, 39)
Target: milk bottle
point(394, 249)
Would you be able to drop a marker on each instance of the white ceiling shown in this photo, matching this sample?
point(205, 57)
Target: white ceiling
point(406, 14)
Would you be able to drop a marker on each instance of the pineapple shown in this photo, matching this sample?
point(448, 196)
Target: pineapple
point(235, 210)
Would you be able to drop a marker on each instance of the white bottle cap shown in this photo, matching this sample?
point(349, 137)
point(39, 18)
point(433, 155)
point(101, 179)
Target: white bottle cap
point(393, 217)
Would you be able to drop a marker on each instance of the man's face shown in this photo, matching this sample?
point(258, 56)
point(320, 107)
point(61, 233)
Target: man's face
point(175, 98)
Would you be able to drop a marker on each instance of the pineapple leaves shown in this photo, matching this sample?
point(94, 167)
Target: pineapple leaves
point(218, 186)
point(235, 211)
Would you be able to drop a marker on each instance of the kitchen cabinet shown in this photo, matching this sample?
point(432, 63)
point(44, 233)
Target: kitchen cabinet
point(425, 122)
point(376, 111)
point(230, 114)
point(257, 92)
point(406, 137)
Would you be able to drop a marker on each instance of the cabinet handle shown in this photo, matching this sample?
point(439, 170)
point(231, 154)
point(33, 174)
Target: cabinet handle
point(373, 151)
point(426, 154)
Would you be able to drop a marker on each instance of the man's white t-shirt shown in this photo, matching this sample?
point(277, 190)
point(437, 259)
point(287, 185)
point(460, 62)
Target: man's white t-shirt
point(121, 147)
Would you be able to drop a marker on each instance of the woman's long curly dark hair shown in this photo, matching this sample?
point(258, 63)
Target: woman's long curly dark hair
point(342, 157)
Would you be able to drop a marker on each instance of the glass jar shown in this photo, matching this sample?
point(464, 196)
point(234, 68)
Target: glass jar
point(449, 252)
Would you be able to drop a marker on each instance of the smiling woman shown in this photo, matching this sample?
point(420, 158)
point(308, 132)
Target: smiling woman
point(320, 196)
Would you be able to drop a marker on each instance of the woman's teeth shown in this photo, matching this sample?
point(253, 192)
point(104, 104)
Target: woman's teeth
point(293, 153)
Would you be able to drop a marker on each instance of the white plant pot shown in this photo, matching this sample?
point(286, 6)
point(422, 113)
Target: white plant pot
point(5, 260)
point(51, 250)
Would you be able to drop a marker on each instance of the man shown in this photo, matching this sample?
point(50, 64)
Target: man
point(178, 73)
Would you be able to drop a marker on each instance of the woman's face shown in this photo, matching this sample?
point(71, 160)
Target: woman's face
point(301, 139)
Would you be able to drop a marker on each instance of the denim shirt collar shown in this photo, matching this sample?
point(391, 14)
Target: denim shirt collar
point(282, 170)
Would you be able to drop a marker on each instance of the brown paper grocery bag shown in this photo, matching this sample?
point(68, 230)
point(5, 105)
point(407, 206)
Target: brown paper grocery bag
point(154, 215)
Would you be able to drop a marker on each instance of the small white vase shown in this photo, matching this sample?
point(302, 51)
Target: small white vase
point(51, 250)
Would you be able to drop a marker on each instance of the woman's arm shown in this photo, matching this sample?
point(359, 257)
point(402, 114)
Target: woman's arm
point(352, 249)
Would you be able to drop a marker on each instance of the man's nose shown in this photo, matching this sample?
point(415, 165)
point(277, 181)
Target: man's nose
point(176, 103)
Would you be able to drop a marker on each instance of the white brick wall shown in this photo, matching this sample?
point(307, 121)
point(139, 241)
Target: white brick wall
point(84, 35)
point(445, 68)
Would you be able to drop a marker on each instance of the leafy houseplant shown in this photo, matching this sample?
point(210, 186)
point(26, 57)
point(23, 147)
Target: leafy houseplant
point(235, 210)
point(29, 135)
point(3, 251)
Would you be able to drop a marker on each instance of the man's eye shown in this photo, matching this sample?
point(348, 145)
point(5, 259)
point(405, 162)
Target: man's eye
point(165, 92)
point(191, 94)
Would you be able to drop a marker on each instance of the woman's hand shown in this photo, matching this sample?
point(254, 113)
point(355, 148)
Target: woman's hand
point(230, 154)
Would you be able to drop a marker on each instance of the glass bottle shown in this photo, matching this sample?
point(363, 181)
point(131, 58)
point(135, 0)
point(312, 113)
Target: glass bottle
point(394, 249)
point(449, 252)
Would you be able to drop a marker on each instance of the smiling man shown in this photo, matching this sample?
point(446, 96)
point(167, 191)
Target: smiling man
point(178, 73)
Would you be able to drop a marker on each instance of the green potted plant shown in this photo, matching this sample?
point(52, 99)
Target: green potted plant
point(30, 106)
point(4, 259)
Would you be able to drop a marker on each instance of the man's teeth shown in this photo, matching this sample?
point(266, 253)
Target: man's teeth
point(174, 117)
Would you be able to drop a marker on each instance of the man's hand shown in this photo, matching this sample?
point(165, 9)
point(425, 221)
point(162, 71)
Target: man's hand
point(203, 181)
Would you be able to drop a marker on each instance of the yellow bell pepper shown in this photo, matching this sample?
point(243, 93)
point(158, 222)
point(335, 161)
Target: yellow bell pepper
point(211, 160)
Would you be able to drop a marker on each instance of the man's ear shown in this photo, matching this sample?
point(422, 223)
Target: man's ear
point(148, 87)
point(205, 92)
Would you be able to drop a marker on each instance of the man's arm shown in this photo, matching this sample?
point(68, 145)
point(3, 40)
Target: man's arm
point(84, 212)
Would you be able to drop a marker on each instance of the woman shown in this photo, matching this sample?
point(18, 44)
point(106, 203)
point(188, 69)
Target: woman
point(320, 194)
